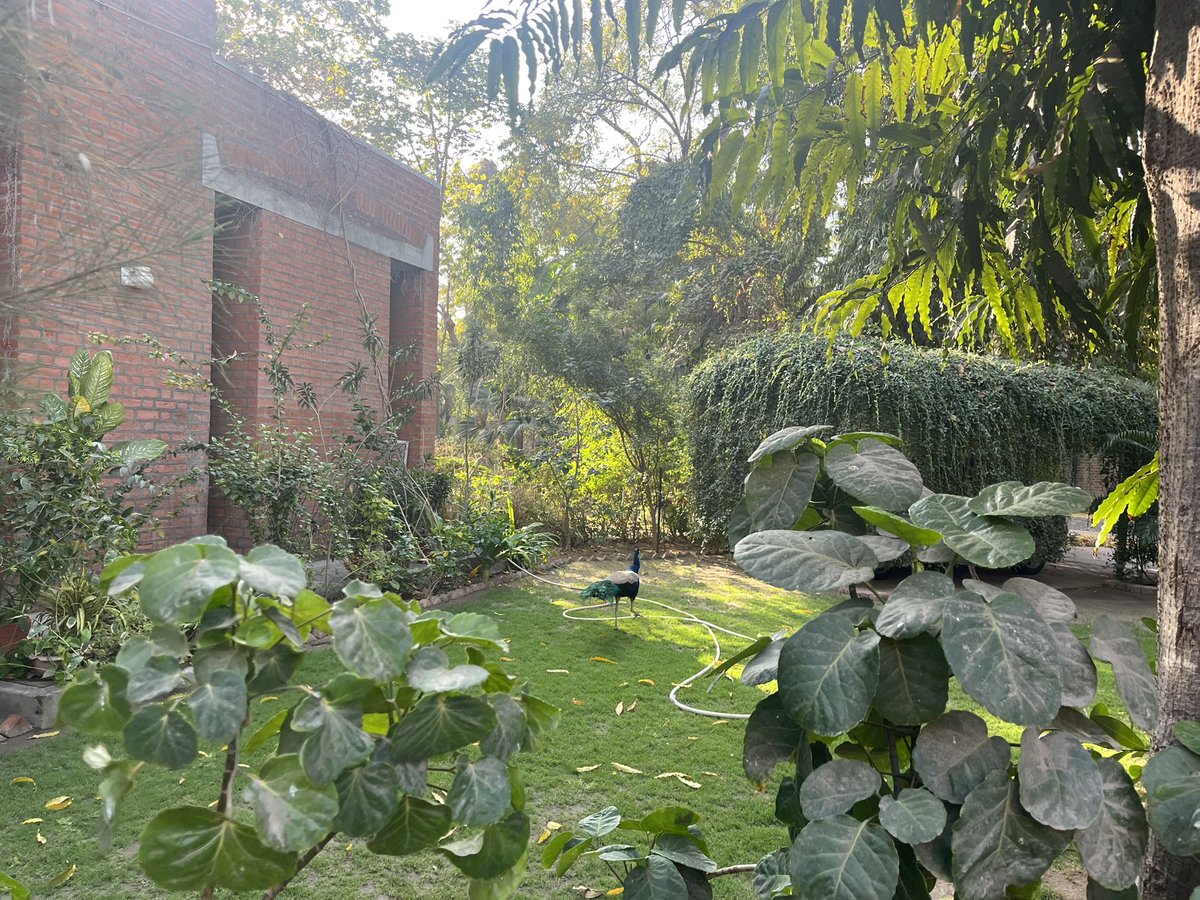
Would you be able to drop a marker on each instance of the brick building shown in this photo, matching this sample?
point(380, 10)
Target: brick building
point(137, 166)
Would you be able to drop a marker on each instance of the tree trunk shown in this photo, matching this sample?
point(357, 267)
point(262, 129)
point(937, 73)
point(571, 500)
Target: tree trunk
point(1172, 155)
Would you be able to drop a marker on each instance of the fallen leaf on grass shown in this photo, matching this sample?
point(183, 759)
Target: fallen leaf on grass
point(649, 681)
point(579, 702)
point(583, 769)
point(43, 736)
point(39, 838)
point(22, 779)
point(694, 785)
point(506, 659)
point(58, 803)
point(34, 821)
point(628, 770)
point(631, 707)
point(615, 891)
point(559, 671)
point(554, 826)
point(604, 659)
point(65, 875)
point(672, 775)
point(620, 707)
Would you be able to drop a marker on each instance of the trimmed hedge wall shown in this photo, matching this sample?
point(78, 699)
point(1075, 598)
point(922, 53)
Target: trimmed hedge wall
point(966, 420)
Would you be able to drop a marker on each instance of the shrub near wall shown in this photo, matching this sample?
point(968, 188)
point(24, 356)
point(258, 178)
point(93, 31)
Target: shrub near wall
point(966, 421)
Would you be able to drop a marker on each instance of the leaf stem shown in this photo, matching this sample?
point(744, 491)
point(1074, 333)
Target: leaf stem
point(225, 802)
point(304, 860)
point(894, 756)
point(731, 870)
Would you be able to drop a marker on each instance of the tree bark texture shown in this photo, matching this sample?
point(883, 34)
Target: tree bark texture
point(1172, 160)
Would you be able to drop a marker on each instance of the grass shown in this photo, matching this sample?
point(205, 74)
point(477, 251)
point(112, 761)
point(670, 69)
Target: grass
point(636, 669)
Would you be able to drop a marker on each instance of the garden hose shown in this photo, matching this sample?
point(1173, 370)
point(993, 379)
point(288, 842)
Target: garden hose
point(682, 616)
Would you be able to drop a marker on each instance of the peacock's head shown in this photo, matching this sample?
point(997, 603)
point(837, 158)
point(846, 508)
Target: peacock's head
point(637, 560)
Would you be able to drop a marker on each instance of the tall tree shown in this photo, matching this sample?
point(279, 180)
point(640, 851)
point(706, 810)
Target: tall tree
point(1045, 167)
point(1172, 141)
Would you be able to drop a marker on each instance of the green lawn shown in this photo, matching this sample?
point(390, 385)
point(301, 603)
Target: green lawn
point(651, 735)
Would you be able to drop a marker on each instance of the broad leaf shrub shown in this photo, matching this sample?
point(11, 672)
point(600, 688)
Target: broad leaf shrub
point(888, 788)
point(409, 748)
point(967, 421)
point(673, 864)
point(67, 502)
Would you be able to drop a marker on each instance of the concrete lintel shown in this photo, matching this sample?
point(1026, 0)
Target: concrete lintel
point(218, 177)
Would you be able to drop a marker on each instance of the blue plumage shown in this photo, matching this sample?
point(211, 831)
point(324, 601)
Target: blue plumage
point(618, 585)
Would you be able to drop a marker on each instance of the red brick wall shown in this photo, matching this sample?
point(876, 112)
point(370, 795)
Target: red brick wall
point(110, 170)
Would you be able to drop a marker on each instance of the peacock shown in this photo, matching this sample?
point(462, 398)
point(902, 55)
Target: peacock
point(616, 586)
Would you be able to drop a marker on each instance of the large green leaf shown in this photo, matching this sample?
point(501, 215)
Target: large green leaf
point(954, 755)
point(777, 493)
point(1005, 657)
point(372, 638)
point(416, 825)
point(291, 812)
point(336, 741)
point(1046, 498)
point(771, 738)
point(657, 879)
point(898, 526)
point(913, 680)
point(1052, 605)
point(97, 381)
point(1114, 643)
point(272, 668)
point(508, 736)
point(1078, 670)
point(219, 705)
point(1060, 784)
point(1112, 847)
point(835, 787)
point(128, 454)
point(1173, 809)
point(771, 875)
point(997, 844)
point(875, 473)
point(439, 724)
point(1188, 734)
point(683, 850)
point(915, 605)
point(786, 439)
point(840, 858)
point(430, 671)
point(473, 628)
point(179, 581)
point(367, 798)
point(190, 848)
point(811, 561)
point(492, 853)
point(480, 793)
point(95, 703)
point(828, 673)
point(269, 570)
point(1169, 764)
point(162, 735)
point(886, 549)
point(983, 541)
point(914, 816)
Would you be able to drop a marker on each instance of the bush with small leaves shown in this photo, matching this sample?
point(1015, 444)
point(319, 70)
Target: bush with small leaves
point(675, 864)
point(888, 787)
point(359, 755)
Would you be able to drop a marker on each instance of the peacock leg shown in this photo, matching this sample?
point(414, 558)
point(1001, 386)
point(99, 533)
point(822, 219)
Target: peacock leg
point(616, 609)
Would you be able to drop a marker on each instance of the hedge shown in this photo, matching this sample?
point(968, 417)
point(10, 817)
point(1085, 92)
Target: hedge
point(966, 420)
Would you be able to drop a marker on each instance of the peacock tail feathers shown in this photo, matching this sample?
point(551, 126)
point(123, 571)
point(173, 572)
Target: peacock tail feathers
point(601, 590)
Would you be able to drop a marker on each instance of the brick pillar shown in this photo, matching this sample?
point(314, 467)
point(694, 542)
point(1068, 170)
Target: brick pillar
point(413, 320)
